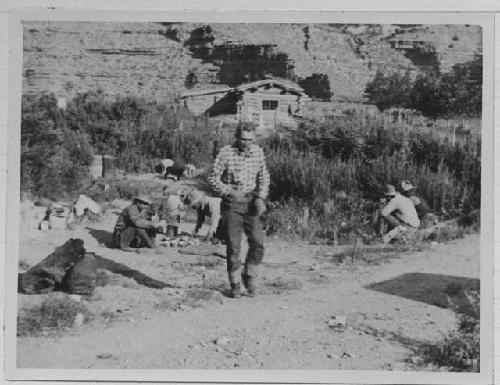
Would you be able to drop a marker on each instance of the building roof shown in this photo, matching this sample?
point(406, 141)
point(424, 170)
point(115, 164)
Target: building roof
point(206, 92)
point(272, 82)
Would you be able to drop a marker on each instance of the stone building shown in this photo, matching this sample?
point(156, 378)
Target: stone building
point(268, 102)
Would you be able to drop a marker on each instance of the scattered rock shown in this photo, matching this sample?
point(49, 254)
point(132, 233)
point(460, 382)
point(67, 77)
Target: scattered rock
point(104, 356)
point(283, 307)
point(338, 323)
point(346, 355)
point(333, 356)
point(236, 365)
point(222, 341)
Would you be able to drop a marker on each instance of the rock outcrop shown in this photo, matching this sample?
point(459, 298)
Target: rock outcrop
point(151, 60)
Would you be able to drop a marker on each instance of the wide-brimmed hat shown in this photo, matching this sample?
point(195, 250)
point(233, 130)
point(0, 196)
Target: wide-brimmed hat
point(407, 186)
point(390, 190)
point(143, 198)
point(194, 196)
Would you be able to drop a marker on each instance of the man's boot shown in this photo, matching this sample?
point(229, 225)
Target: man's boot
point(249, 284)
point(235, 290)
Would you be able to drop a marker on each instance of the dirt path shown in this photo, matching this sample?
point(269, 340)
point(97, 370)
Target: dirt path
point(391, 308)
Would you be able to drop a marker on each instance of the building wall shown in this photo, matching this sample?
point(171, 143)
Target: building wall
point(252, 107)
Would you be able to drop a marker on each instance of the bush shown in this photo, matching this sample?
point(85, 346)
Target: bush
point(57, 311)
point(460, 349)
point(54, 159)
point(433, 93)
point(321, 160)
point(309, 166)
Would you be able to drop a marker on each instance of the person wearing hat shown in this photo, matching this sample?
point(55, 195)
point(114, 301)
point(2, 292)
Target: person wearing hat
point(206, 207)
point(423, 209)
point(240, 177)
point(132, 228)
point(398, 211)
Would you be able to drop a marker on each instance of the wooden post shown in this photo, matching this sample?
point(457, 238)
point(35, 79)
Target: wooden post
point(355, 251)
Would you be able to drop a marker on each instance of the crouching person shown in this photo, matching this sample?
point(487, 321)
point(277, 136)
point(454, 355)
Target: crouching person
point(133, 229)
point(427, 219)
point(206, 207)
point(398, 216)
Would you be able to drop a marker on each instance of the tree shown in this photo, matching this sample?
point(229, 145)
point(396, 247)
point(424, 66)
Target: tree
point(387, 91)
point(54, 159)
point(317, 86)
point(430, 94)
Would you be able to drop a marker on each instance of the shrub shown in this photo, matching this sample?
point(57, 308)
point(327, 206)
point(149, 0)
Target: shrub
point(54, 159)
point(434, 94)
point(460, 349)
point(317, 86)
point(56, 312)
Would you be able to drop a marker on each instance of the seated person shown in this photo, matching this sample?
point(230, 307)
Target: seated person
point(421, 206)
point(132, 228)
point(206, 207)
point(398, 211)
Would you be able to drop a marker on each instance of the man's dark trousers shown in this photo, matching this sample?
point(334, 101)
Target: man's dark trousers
point(242, 217)
point(136, 237)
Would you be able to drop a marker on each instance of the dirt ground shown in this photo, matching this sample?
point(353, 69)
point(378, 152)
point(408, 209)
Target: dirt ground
point(314, 310)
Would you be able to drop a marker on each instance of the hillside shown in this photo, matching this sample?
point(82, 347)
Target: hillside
point(153, 60)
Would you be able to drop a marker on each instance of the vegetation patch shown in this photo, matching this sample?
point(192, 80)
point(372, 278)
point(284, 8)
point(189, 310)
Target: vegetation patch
point(460, 349)
point(57, 312)
point(281, 284)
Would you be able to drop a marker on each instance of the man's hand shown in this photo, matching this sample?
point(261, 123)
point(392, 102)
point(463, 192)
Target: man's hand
point(260, 206)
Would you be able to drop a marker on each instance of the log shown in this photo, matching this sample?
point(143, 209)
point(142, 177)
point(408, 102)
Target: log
point(49, 273)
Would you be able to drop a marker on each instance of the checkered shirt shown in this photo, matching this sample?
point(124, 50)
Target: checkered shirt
point(244, 171)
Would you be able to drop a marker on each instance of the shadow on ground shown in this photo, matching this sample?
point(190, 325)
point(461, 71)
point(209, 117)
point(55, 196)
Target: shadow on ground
point(433, 289)
point(137, 276)
point(102, 236)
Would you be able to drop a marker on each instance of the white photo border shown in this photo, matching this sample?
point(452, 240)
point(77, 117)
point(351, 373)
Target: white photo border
point(253, 376)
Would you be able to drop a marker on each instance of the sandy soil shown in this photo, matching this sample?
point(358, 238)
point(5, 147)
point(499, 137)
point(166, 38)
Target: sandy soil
point(392, 306)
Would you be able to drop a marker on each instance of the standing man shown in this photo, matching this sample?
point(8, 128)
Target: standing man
point(241, 178)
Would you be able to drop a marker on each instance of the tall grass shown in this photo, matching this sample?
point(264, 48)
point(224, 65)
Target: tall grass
point(320, 162)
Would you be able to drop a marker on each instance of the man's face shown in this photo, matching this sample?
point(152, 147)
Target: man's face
point(141, 205)
point(245, 139)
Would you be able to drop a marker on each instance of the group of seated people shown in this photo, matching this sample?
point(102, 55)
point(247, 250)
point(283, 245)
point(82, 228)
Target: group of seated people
point(402, 212)
point(138, 224)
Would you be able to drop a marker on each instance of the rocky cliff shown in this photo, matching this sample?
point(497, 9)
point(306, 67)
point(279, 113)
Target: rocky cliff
point(154, 60)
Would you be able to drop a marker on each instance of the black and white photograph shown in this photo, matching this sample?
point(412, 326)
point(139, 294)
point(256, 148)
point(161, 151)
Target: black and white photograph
point(251, 197)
